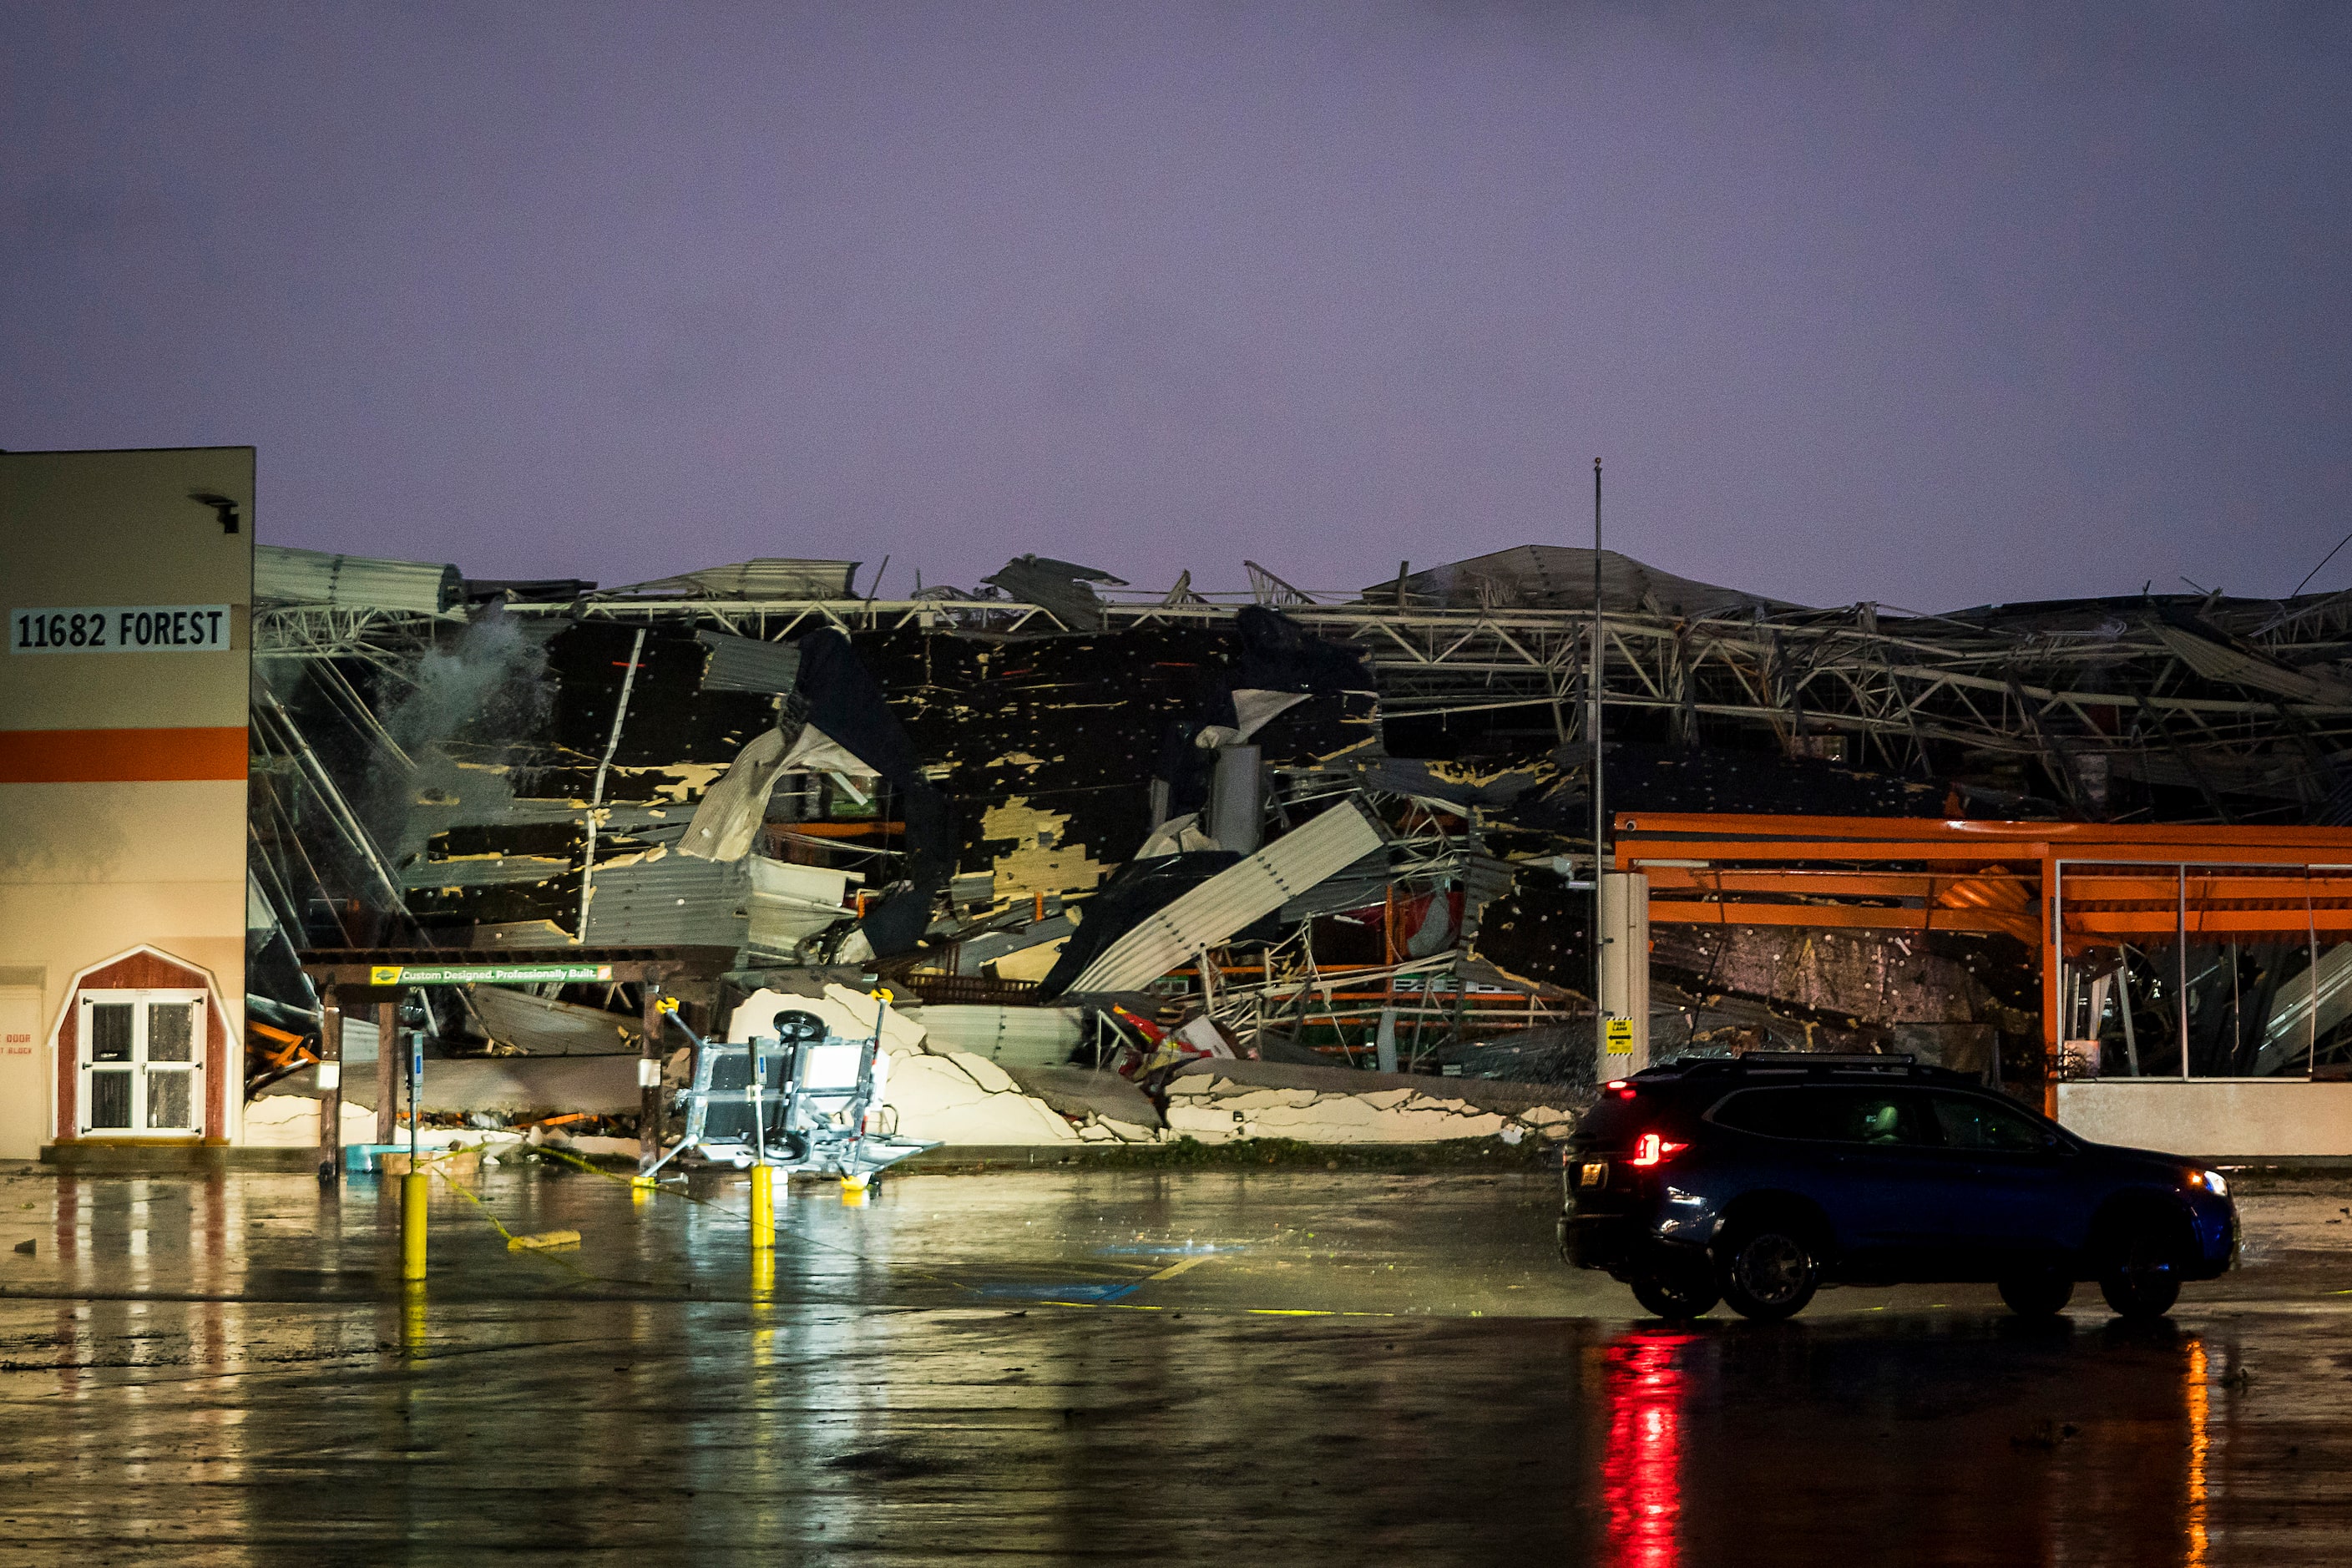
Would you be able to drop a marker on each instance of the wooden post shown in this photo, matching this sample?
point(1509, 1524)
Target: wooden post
point(649, 1093)
point(331, 1087)
point(387, 1052)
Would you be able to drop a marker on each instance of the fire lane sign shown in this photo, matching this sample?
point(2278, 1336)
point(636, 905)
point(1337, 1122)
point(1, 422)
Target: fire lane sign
point(1619, 1033)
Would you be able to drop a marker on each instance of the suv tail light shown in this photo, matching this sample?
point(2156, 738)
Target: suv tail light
point(1650, 1149)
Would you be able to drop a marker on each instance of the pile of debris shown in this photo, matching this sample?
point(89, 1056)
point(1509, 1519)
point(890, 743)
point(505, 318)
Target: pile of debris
point(1188, 844)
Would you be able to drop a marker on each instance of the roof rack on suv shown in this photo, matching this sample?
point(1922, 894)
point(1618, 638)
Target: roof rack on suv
point(1828, 1059)
point(1802, 1061)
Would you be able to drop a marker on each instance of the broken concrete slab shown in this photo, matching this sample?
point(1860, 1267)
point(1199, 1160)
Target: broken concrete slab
point(1095, 1099)
point(1217, 1101)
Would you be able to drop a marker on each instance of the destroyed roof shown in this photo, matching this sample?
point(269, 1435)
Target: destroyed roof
point(763, 578)
point(283, 574)
point(1559, 577)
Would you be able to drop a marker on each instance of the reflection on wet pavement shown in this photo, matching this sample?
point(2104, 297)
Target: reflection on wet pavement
point(1053, 1367)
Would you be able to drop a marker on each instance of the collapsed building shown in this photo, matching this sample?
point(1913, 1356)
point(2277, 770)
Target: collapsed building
point(1271, 833)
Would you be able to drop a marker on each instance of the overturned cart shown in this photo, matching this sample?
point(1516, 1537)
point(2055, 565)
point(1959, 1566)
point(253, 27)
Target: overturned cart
point(799, 1098)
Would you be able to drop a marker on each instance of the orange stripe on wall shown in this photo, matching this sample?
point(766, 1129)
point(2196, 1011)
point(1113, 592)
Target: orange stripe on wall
point(120, 756)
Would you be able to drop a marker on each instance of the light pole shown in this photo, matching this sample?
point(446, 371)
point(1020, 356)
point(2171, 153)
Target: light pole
point(1599, 818)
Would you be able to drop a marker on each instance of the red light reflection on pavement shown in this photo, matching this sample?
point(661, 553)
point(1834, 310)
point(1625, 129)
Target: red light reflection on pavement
point(1640, 1472)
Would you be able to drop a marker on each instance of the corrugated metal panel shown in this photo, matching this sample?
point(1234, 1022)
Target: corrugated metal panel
point(1232, 899)
point(1013, 1037)
point(747, 664)
point(788, 904)
point(1353, 888)
point(543, 1027)
point(2216, 661)
point(291, 576)
point(675, 901)
point(769, 578)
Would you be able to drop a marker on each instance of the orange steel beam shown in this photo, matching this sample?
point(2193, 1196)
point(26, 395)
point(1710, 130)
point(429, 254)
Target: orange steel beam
point(1847, 884)
point(1634, 854)
point(2223, 923)
point(1641, 854)
point(1841, 916)
point(2166, 889)
point(2138, 835)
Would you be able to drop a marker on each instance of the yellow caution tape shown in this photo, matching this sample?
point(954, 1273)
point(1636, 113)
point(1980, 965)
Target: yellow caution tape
point(544, 1239)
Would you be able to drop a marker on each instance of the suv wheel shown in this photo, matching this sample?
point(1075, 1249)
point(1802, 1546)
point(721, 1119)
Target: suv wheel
point(2044, 1295)
point(2142, 1280)
point(1769, 1272)
point(1682, 1293)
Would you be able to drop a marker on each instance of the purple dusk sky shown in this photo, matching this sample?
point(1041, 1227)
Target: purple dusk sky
point(1932, 304)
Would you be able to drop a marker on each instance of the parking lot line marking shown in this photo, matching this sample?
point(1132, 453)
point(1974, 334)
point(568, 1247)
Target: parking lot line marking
point(1173, 1270)
point(1287, 1312)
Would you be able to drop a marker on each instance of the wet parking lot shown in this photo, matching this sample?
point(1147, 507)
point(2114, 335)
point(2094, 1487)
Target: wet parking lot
point(1068, 1366)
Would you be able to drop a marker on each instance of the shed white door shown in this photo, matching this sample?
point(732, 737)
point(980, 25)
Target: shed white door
point(141, 1062)
point(24, 1085)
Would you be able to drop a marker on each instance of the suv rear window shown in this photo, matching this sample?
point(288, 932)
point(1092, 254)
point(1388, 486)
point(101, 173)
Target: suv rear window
point(1835, 1113)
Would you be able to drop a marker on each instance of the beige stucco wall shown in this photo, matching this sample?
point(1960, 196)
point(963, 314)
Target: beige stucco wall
point(2213, 1118)
point(91, 867)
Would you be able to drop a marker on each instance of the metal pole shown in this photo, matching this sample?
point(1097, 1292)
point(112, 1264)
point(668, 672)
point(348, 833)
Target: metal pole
point(603, 764)
point(2131, 1040)
point(1599, 817)
point(2180, 1003)
point(330, 1088)
point(2310, 1024)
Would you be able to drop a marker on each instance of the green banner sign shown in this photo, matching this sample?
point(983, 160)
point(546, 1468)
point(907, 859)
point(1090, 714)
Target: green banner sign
point(485, 974)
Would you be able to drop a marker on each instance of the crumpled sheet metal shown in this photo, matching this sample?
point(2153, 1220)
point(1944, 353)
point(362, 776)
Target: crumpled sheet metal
point(1232, 899)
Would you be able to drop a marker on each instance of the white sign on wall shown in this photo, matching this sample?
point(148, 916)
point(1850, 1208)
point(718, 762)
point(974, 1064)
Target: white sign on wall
point(120, 629)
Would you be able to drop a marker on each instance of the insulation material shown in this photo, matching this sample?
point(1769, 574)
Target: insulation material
point(1220, 1101)
point(1232, 900)
point(733, 811)
point(1031, 963)
point(728, 821)
point(1041, 861)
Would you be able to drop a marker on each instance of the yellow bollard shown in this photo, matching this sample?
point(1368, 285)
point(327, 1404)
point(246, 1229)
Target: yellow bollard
point(763, 1207)
point(763, 1274)
point(852, 1191)
point(413, 1193)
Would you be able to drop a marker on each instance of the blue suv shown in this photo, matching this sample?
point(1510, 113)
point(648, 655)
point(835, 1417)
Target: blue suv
point(1755, 1180)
